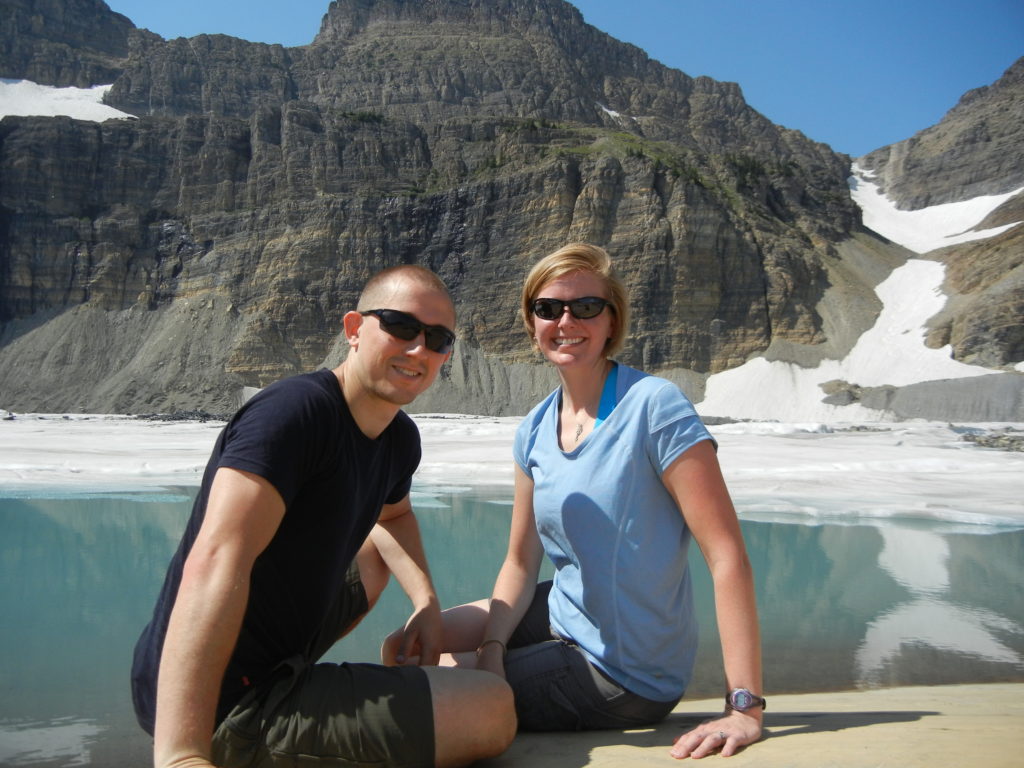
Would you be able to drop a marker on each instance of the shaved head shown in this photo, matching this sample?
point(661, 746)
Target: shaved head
point(384, 285)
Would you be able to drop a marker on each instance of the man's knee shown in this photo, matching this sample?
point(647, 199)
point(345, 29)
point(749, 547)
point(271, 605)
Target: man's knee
point(474, 715)
point(500, 712)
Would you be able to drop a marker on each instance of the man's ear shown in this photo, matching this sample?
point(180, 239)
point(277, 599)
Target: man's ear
point(352, 322)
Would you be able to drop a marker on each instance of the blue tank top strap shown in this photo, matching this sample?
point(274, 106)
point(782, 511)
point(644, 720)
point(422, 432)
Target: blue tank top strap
point(608, 400)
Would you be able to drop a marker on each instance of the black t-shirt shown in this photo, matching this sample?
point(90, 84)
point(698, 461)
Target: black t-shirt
point(300, 435)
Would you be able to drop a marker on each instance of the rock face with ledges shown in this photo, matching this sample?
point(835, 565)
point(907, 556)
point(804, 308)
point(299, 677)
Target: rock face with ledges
point(215, 242)
point(974, 150)
point(62, 42)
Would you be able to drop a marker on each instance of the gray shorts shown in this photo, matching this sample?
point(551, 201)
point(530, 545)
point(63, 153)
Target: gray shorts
point(309, 714)
point(558, 689)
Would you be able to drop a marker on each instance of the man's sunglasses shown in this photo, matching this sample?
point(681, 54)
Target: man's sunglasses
point(403, 326)
point(582, 309)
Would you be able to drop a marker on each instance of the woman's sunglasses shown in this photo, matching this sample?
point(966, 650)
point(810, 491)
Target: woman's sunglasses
point(403, 326)
point(582, 309)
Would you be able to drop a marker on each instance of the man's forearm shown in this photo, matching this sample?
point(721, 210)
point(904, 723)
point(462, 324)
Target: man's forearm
point(201, 635)
point(401, 547)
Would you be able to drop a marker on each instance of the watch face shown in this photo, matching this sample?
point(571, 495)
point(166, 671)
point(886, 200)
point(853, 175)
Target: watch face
point(742, 700)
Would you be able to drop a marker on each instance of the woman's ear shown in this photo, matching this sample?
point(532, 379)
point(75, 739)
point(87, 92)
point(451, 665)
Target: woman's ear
point(614, 330)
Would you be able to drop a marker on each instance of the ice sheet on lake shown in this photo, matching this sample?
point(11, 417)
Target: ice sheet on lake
point(799, 472)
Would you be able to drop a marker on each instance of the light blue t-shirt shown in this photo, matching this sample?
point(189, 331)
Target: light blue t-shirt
point(616, 537)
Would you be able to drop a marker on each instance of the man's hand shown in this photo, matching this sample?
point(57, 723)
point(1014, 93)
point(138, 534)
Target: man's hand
point(419, 641)
point(726, 734)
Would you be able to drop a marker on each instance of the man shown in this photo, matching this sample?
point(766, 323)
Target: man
point(303, 512)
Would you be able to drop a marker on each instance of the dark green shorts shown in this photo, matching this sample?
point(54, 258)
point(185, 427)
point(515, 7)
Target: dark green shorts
point(332, 714)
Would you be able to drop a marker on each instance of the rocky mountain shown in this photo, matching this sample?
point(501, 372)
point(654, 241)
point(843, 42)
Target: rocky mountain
point(975, 150)
point(213, 243)
point(62, 42)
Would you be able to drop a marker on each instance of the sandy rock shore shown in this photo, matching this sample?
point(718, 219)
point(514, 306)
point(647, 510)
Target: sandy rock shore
point(966, 725)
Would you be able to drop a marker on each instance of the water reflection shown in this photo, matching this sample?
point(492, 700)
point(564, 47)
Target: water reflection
point(77, 580)
point(842, 606)
point(877, 603)
point(919, 561)
point(64, 741)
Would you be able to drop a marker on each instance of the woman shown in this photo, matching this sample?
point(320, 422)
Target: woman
point(614, 474)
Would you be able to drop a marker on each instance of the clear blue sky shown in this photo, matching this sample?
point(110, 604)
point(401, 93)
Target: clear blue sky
point(856, 74)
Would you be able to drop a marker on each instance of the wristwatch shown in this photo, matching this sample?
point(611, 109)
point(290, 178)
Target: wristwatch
point(743, 700)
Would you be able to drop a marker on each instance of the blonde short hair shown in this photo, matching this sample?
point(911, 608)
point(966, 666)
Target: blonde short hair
point(579, 257)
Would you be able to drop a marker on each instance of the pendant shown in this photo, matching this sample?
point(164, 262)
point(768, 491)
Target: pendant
point(579, 431)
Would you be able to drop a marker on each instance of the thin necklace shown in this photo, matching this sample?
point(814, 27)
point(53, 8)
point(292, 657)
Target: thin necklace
point(606, 404)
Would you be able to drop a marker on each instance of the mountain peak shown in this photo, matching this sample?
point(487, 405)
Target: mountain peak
point(215, 242)
point(974, 150)
point(62, 42)
point(345, 18)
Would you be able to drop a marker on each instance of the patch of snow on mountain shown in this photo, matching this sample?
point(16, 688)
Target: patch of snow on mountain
point(893, 351)
point(928, 228)
point(28, 99)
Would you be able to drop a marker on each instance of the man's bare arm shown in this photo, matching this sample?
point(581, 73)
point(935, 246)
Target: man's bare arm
point(242, 515)
point(397, 538)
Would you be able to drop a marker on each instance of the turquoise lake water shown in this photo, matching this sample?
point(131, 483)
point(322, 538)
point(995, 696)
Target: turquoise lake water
point(880, 603)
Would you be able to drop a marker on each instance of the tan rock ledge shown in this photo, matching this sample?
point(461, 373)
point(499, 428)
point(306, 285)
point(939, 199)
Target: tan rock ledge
point(981, 726)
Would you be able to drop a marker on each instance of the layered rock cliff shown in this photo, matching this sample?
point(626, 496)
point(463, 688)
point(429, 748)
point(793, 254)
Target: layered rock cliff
point(974, 150)
point(215, 242)
point(62, 42)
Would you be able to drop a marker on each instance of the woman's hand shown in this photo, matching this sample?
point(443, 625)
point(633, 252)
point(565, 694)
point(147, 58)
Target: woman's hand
point(726, 734)
point(190, 762)
point(490, 657)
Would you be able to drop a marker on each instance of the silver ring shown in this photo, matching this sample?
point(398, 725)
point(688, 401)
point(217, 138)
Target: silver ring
point(722, 736)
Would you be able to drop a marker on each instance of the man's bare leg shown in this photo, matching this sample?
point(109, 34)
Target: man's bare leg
point(474, 712)
point(474, 715)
